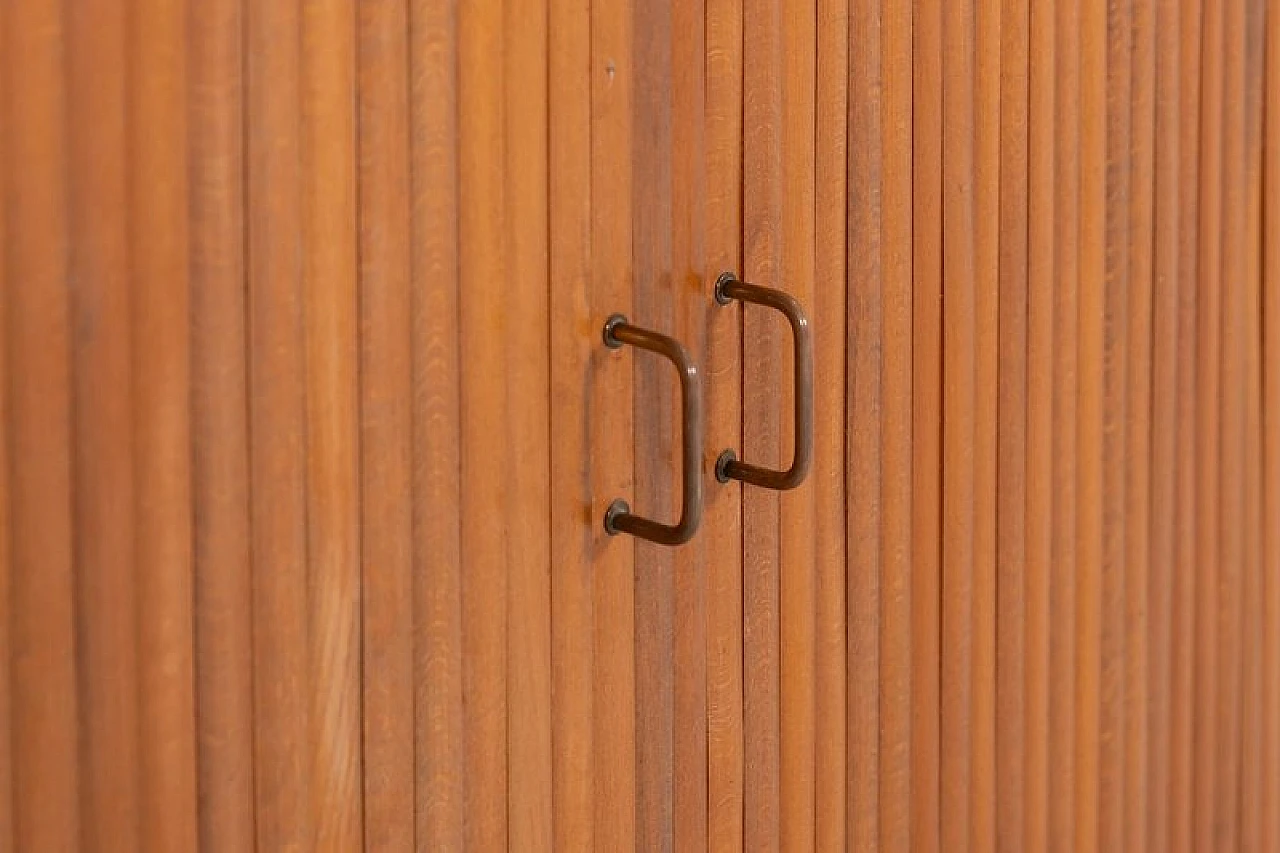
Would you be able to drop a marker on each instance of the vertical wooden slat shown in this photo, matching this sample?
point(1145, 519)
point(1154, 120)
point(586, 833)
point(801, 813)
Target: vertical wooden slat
point(1164, 270)
point(926, 430)
point(6, 525)
point(1013, 501)
point(989, 167)
point(1138, 424)
point(162, 429)
point(42, 670)
point(613, 81)
point(527, 436)
point(1116, 425)
point(762, 188)
point(103, 425)
point(484, 457)
point(1270, 805)
point(1182, 619)
point(722, 519)
point(1062, 584)
point(1234, 353)
point(796, 516)
point(220, 428)
point(829, 302)
point(863, 447)
point(1041, 257)
point(1251, 589)
point(1090, 460)
point(1139, 400)
point(691, 286)
point(959, 328)
point(1251, 601)
point(327, 150)
point(572, 338)
point(656, 421)
point(437, 566)
point(277, 432)
point(896, 449)
point(386, 380)
point(1208, 410)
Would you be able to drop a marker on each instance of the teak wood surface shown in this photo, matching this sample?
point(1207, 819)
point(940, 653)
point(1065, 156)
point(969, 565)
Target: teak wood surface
point(307, 429)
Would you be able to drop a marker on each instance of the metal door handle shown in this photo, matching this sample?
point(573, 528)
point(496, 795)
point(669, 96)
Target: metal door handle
point(618, 518)
point(729, 288)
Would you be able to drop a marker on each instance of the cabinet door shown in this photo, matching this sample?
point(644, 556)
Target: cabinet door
point(645, 201)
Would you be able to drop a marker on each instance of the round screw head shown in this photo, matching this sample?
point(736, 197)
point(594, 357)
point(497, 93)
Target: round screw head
point(614, 321)
point(617, 508)
point(723, 279)
point(722, 465)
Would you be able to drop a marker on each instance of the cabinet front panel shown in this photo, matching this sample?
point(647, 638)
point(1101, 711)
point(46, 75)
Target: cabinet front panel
point(309, 427)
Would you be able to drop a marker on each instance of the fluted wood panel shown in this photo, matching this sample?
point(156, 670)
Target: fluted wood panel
point(307, 428)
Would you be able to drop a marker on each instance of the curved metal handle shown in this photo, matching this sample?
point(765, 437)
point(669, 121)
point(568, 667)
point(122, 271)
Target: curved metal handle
point(729, 288)
point(618, 518)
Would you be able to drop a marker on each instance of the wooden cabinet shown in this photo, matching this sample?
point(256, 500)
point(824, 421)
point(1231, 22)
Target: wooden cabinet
point(308, 428)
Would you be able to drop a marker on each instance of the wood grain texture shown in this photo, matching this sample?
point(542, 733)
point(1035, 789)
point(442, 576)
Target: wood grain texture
point(277, 425)
point(1182, 676)
point(527, 432)
point(722, 387)
point(1139, 439)
point(1234, 343)
point(613, 81)
point(1208, 429)
point(1251, 598)
point(988, 172)
point(162, 425)
point(763, 263)
point(1090, 477)
point(329, 269)
point(572, 520)
point(386, 430)
point(482, 324)
point(434, 298)
point(1062, 584)
point(796, 567)
point(896, 410)
point(1271, 445)
point(1270, 795)
point(220, 428)
point(1011, 489)
point(655, 407)
point(1164, 269)
point(306, 427)
point(1042, 254)
point(46, 770)
point(864, 416)
point(691, 285)
point(829, 302)
point(959, 374)
point(926, 429)
point(6, 511)
point(102, 465)
point(989, 168)
point(1116, 425)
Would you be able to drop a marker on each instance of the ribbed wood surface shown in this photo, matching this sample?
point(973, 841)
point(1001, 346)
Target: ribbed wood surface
point(307, 430)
